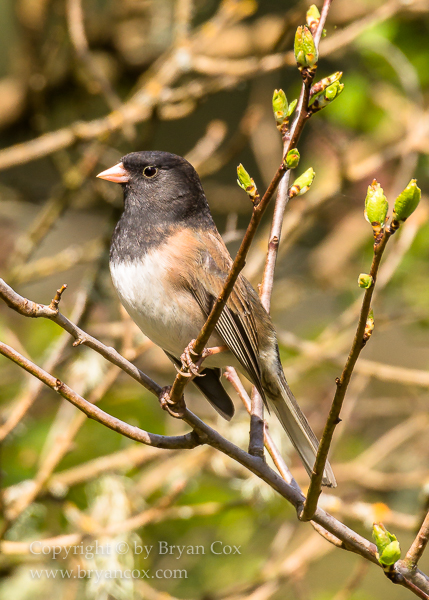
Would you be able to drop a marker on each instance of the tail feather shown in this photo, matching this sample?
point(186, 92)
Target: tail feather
point(298, 429)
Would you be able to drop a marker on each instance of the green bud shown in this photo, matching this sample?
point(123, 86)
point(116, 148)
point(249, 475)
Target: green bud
point(321, 85)
point(376, 207)
point(246, 182)
point(280, 107)
point(407, 201)
point(390, 554)
point(333, 91)
point(305, 48)
point(388, 548)
point(365, 281)
point(292, 159)
point(282, 111)
point(312, 17)
point(302, 184)
point(330, 93)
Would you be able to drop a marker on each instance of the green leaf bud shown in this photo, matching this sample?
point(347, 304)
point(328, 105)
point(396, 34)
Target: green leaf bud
point(292, 158)
point(330, 93)
point(390, 554)
point(376, 207)
point(388, 548)
point(321, 85)
point(246, 182)
point(407, 201)
point(280, 107)
point(305, 49)
point(365, 281)
point(302, 184)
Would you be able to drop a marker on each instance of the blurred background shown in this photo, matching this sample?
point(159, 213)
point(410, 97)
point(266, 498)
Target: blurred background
point(80, 86)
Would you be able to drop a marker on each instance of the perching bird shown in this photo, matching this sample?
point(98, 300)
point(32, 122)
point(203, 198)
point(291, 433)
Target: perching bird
point(169, 263)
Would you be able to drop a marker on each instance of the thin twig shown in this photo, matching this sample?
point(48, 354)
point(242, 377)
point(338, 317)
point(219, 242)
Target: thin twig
point(418, 546)
point(342, 385)
point(232, 376)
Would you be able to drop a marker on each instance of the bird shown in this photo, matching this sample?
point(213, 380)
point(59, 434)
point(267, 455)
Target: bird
point(169, 263)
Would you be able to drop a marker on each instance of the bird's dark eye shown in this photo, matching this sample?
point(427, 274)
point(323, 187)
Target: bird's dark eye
point(150, 172)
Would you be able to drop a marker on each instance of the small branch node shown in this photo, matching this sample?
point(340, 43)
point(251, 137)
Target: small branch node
point(58, 385)
point(57, 298)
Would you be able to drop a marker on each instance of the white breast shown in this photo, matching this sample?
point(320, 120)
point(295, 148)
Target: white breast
point(168, 317)
point(158, 309)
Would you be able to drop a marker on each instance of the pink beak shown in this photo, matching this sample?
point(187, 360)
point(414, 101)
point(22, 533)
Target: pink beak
point(117, 174)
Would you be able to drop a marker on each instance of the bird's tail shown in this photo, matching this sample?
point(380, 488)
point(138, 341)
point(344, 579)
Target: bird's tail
point(298, 429)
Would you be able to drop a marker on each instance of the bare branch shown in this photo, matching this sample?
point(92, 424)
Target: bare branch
point(418, 546)
point(29, 308)
point(342, 385)
point(190, 440)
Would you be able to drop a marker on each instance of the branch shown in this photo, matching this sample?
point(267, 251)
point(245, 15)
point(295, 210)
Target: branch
point(417, 548)
point(190, 440)
point(290, 139)
point(342, 385)
point(202, 434)
point(28, 308)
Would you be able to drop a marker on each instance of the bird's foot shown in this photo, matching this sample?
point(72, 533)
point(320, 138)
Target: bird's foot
point(194, 367)
point(175, 409)
point(188, 363)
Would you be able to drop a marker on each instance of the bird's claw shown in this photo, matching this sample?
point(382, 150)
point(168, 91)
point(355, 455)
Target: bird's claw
point(188, 363)
point(175, 409)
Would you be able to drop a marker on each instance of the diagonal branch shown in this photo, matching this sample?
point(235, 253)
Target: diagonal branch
point(342, 385)
point(190, 440)
point(418, 546)
point(28, 308)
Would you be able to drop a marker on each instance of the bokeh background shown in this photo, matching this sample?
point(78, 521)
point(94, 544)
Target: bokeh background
point(196, 79)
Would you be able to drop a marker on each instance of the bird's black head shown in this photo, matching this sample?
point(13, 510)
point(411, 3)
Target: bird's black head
point(162, 192)
point(161, 183)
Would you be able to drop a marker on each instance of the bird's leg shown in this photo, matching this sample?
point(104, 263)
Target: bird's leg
point(193, 367)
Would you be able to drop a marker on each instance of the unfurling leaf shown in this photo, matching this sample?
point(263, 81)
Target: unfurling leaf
point(313, 17)
point(321, 85)
point(329, 94)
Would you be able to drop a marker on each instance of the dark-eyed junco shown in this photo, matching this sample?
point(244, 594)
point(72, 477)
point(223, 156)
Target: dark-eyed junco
point(169, 263)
